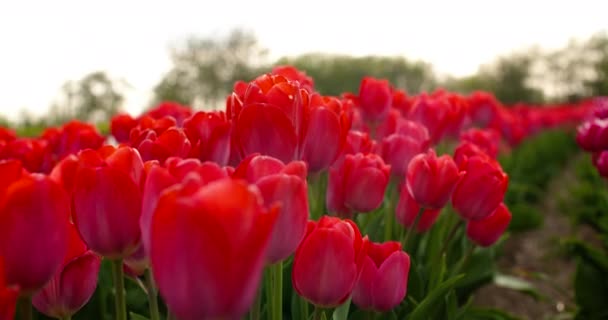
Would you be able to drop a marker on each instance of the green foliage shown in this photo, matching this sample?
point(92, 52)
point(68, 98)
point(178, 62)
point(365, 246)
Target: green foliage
point(530, 167)
point(588, 203)
point(335, 74)
point(205, 69)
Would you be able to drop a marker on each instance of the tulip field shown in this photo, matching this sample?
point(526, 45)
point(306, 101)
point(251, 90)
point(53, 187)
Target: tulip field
point(289, 204)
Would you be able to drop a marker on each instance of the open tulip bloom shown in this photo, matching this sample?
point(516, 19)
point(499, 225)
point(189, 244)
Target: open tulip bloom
point(288, 204)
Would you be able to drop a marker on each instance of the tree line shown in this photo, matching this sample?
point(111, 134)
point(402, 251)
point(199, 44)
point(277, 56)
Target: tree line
point(205, 69)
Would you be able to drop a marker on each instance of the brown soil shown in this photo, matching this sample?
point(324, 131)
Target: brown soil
point(535, 256)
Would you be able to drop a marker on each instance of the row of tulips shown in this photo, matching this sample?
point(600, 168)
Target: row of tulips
point(211, 209)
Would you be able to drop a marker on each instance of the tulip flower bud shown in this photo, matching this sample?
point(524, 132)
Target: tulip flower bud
point(487, 231)
point(382, 284)
point(72, 287)
point(209, 134)
point(357, 184)
point(375, 99)
point(600, 161)
point(593, 135)
point(407, 210)
point(398, 149)
point(481, 189)
point(208, 248)
point(283, 185)
point(107, 200)
point(431, 180)
point(34, 215)
point(327, 262)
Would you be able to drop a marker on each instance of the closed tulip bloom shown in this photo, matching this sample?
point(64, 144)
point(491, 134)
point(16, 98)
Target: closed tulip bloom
point(208, 248)
point(107, 200)
point(407, 210)
point(375, 99)
point(431, 179)
point(398, 149)
point(480, 190)
point(209, 134)
point(327, 263)
point(487, 140)
point(593, 135)
point(600, 161)
point(72, 287)
point(286, 186)
point(382, 284)
point(34, 213)
point(171, 143)
point(357, 184)
point(487, 231)
point(121, 125)
point(466, 150)
point(324, 132)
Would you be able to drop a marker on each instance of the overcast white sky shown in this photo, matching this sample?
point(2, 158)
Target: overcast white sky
point(45, 43)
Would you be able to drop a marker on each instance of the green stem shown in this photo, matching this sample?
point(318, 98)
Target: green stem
point(319, 313)
point(412, 229)
point(465, 259)
point(276, 304)
point(303, 308)
point(25, 307)
point(152, 295)
point(119, 285)
point(451, 235)
point(390, 213)
point(256, 310)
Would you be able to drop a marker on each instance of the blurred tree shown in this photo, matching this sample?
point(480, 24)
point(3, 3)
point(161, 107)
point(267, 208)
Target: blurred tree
point(335, 74)
point(205, 69)
point(95, 98)
point(508, 77)
point(597, 48)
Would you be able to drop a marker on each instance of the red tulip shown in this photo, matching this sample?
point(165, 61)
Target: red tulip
point(487, 140)
point(487, 231)
point(382, 284)
point(324, 132)
point(72, 287)
point(482, 108)
point(357, 142)
point(107, 200)
point(293, 73)
point(600, 161)
point(593, 135)
point(327, 263)
point(71, 138)
point(171, 143)
point(407, 210)
point(208, 248)
point(466, 150)
point(398, 149)
point(33, 252)
point(174, 110)
point(375, 99)
point(357, 184)
point(481, 189)
point(209, 134)
point(121, 125)
point(279, 185)
point(158, 179)
point(431, 180)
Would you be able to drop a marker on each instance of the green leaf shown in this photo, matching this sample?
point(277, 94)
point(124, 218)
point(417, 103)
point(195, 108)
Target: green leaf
point(591, 289)
point(341, 312)
point(135, 316)
point(432, 300)
point(437, 273)
point(517, 284)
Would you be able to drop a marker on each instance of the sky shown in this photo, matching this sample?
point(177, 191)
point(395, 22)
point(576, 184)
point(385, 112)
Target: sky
point(45, 43)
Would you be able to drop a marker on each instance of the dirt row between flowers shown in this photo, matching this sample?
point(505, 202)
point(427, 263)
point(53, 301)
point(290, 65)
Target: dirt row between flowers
point(536, 256)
